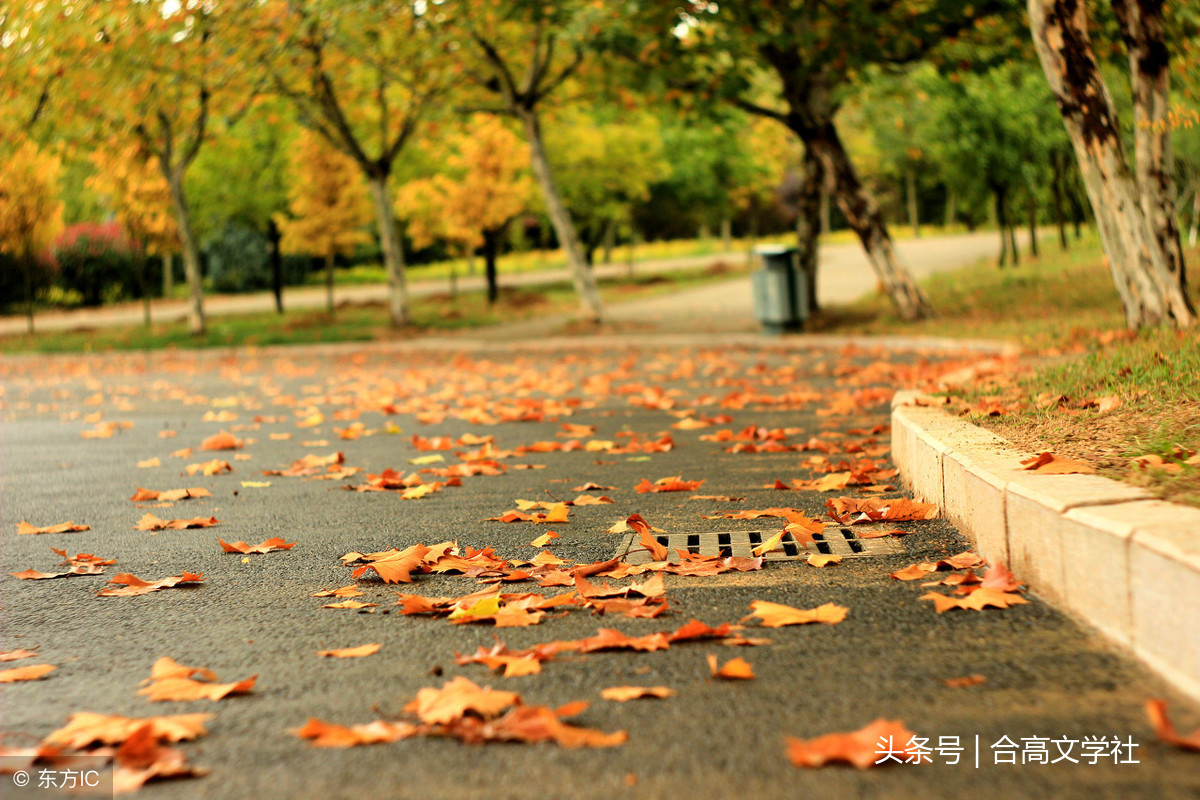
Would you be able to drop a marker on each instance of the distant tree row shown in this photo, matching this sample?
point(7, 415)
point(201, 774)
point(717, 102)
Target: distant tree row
point(318, 123)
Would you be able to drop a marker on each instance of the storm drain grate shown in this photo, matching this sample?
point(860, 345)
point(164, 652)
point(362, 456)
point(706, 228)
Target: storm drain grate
point(837, 541)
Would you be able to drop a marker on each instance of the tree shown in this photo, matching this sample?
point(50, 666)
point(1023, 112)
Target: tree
point(30, 211)
point(604, 167)
point(1136, 217)
point(158, 73)
point(327, 204)
point(140, 198)
point(811, 52)
point(364, 75)
point(484, 184)
point(524, 51)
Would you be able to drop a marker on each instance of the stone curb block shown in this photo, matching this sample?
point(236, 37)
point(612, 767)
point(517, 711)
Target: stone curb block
point(1105, 552)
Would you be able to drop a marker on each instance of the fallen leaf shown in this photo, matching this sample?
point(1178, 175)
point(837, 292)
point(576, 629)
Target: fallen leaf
point(776, 615)
point(396, 566)
point(344, 591)
point(622, 694)
point(671, 484)
point(149, 462)
point(349, 604)
point(657, 550)
point(1165, 731)
point(30, 673)
point(544, 539)
point(221, 441)
point(267, 546)
point(214, 467)
point(351, 652)
point(85, 728)
point(458, 697)
point(1050, 464)
point(817, 560)
point(976, 600)
point(770, 545)
point(14, 655)
point(133, 585)
point(860, 748)
point(170, 495)
point(183, 689)
point(24, 528)
point(327, 734)
point(964, 681)
point(736, 669)
point(141, 758)
point(149, 522)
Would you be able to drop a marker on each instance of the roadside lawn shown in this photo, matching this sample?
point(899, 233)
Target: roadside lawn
point(1128, 405)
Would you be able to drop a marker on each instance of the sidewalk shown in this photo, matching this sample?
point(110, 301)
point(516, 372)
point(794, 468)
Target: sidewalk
point(845, 274)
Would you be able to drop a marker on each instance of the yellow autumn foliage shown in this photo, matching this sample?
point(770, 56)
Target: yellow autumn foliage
point(131, 181)
point(486, 183)
point(327, 201)
point(31, 215)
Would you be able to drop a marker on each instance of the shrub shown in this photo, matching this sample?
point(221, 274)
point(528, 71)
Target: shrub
point(238, 259)
point(12, 281)
point(96, 260)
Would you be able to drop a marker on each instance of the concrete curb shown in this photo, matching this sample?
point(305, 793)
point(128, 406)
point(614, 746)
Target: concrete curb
point(1105, 552)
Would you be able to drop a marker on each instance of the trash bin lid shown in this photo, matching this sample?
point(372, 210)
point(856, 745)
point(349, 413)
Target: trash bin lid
point(774, 250)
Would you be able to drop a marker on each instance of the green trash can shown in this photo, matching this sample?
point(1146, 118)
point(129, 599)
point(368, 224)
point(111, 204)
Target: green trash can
point(780, 291)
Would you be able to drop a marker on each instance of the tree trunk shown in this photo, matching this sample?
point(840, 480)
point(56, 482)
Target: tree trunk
point(951, 206)
point(1195, 218)
point(144, 286)
point(491, 242)
point(274, 236)
point(1150, 291)
point(634, 236)
point(910, 190)
point(1002, 222)
point(610, 240)
point(168, 276)
point(826, 212)
point(191, 252)
point(1056, 194)
point(581, 275)
point(329, 259)
point(1142, 28)
point(393, 252)
point(808, 223)
point(1031, 220)
point(863, 215)
point(726, 233)
point(27, 263)
point(470, 260)
point(704, 234)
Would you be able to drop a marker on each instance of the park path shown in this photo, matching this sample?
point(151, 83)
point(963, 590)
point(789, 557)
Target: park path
point(845, 275)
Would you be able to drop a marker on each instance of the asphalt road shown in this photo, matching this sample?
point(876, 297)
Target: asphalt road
point(1045, 676)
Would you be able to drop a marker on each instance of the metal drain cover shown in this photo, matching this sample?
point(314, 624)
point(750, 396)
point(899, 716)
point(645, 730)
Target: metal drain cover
point(835, 540)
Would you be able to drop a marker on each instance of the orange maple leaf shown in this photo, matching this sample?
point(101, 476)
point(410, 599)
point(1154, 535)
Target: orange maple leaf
point(737, 669)
point(860, 748)
point(776, 615)
point(267, 546)
point(132, 585)
point(1050, 464)
point(221, 441)
point(327, 734)
point(24, 528)
point(671, 484)
point(149, 522)
point(351, 652)
point(976, 600)
point(1165, 730)
point(32, 672)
